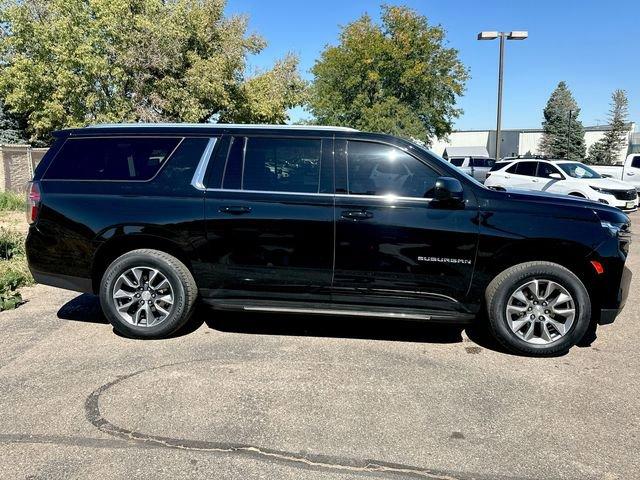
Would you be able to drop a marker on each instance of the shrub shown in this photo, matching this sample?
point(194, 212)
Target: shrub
point(11, 244)
point(12, 201)
point(14, 272)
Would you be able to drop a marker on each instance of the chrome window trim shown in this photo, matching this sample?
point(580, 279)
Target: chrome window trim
point(198, 177)
point(341, 195)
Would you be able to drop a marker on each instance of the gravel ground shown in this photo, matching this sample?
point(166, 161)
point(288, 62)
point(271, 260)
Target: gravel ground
point(240, 396)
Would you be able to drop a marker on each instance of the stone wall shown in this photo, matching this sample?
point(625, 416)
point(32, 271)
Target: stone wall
point(17, 163)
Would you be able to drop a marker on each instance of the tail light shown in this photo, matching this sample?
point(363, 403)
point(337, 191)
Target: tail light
point(33, 201)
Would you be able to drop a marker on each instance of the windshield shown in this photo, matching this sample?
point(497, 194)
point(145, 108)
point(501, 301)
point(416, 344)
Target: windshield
point(578, 170)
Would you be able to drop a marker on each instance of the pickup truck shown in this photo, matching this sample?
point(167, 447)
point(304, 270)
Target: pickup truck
point(629, 172)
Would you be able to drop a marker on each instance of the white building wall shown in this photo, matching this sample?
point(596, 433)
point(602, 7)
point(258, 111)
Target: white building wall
point(514, 142)
point(462, 139)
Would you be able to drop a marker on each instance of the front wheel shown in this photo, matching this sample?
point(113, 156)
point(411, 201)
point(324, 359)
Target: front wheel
point(538, 308)
point(147, 294)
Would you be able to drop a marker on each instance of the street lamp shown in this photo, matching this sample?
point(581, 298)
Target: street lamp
point(515, 35)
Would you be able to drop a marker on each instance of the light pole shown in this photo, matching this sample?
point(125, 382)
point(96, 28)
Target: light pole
point(515, 35)
point(569, 134)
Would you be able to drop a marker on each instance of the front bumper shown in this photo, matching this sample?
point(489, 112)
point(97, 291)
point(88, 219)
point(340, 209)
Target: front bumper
point(608, 315)
point(624, 205)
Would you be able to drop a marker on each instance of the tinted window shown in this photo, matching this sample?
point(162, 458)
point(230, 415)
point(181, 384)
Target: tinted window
point(635, 162)
point(282, 165)
point(113, 158)
point(457, 161)
point(545, 170)
point(375, 169)
point(233, 172)
point(499, 165)
point(526, 168)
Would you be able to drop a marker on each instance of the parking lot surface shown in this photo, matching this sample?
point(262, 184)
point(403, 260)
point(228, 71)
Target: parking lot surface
point(241, 396)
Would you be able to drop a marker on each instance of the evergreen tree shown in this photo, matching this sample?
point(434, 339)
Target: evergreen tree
point(597, 153)
point(10, 131)
point(615, 139)
point(563, 132)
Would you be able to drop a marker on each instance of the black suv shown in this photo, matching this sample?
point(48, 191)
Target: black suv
point(314, 220)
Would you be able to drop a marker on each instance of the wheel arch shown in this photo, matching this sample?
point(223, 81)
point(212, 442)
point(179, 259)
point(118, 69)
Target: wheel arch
point(116, 246)
point(571, 255)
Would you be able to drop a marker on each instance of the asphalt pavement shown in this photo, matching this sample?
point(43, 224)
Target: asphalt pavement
point(248, 396)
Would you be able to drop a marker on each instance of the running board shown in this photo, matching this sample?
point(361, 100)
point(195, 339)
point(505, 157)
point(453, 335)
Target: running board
point(319, 309)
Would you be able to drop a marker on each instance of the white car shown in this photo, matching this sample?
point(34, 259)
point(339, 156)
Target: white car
point(563, 177)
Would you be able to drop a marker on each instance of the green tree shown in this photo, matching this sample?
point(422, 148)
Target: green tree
point(563, 133)
point(74, 62)
point(597, 153)
point(10, 130)
point(615, 139)
point(397, 77)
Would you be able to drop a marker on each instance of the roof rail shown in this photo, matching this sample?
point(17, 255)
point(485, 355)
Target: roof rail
point(221, 125)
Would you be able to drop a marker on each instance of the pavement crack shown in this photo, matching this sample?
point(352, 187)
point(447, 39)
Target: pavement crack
point(309, 461)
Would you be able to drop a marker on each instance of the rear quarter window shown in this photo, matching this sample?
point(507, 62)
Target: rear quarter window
point(111, 158)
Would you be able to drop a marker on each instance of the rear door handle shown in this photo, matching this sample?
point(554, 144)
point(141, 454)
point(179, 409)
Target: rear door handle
point(235, 210)
point(356, 214)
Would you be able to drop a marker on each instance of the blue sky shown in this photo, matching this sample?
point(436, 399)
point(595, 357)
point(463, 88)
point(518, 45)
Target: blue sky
point(593, 45)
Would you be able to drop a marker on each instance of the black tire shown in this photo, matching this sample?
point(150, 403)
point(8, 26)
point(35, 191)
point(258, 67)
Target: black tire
point(183, 286)
point(505, 284)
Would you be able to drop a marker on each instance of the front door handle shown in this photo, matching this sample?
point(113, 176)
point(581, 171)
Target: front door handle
point(235, 210)
point(356, 214)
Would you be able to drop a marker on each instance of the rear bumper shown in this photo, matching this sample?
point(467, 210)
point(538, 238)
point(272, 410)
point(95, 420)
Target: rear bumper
point(67, 282)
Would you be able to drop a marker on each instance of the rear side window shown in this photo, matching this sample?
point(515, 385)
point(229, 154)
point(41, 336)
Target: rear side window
point(114, 158)
point(524, 168)
point(457, 161)
point(282, 165)
point(498, 166)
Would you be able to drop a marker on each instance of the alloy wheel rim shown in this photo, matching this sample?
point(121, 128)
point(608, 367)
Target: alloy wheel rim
point(540, 311)
point(143, 296)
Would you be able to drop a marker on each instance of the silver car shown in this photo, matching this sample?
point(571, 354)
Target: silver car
point(477, 167)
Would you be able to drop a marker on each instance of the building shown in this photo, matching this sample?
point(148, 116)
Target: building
point(526, 141)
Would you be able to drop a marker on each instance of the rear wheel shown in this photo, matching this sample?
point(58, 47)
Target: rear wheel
point(147, 293)
point(538, 308)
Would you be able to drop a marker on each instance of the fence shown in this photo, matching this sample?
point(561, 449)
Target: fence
point(17, 163)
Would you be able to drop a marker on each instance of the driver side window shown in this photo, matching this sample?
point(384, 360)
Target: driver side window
point(377, 169)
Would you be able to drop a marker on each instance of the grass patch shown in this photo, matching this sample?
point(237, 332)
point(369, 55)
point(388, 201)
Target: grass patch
point(10, 201)
point(14, 272)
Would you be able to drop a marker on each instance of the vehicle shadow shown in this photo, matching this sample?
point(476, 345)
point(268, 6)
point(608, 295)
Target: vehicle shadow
point(86, 308)
point(331, 326)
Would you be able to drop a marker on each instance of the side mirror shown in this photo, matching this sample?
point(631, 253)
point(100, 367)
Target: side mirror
point(448, 190)
point(555, 175)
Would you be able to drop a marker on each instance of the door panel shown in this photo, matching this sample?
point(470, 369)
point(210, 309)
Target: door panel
point(394, 246)
point(403, 250)
point(273, 236)
point(263, 244)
